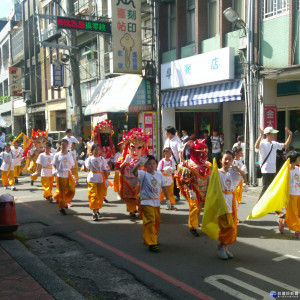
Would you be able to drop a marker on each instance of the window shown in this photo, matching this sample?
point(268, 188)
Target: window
point(190, 21)
point(240, 6)
point(274, 7)
point(172, 26)
point(213, 18)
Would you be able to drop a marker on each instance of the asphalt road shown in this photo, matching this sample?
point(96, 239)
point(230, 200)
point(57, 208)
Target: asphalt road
point(186, 267)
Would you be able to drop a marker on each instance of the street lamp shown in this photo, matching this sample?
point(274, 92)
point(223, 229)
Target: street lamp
point(250, 108)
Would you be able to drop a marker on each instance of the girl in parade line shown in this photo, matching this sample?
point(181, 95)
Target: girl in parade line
point(17, 152)
point(293, 209)
point(230, 178)
point(238, 162)
point(63, 164)
point(151, 182)
point(166, 167)
point(44, 167)
point(7, 167)
point(96, 167)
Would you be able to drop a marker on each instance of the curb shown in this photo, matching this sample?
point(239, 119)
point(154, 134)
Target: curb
point(55, 286)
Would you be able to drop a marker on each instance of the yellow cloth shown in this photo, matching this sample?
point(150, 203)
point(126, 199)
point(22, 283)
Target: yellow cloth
point(8, 178)
point(117, 182)
point(170, 189)
point(151, 224)
point(194, 213)
point(276, 196)
point(17, 138)
point(131, 206)
point(75, 170)
point(215, 205)
point(65, 190)
point(228, 229)
point(47, 184)
point(17, 171)
point(95, 195)
point(239, 192)
point(293, 213)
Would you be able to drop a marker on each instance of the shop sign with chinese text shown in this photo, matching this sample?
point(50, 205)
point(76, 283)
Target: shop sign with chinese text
point(15, 82)
point(150, 127)
point(126, 36)
point(270, 116)
point(199, 69)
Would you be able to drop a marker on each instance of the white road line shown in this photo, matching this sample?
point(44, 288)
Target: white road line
point(286, 256)
point(268, 279)
point(213, 280)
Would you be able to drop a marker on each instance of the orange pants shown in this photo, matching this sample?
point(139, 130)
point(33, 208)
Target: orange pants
point(8, 178)
point(117, 182)
point(17, 171)
point(76, 171)
point(151, 223)
point(194, 213)
point(47, 184)
point(65, 191)
point(170, 192)
point(293, 213)
point(228, 229)
point(96, 194)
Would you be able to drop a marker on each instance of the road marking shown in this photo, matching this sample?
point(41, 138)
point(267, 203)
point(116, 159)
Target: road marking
point(268, 279)
point(286, 256)
point(213, 280)
point(38, 211)
point(147, 267)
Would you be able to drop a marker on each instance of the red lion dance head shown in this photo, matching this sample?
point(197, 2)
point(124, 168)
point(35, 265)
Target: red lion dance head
point(199, 152)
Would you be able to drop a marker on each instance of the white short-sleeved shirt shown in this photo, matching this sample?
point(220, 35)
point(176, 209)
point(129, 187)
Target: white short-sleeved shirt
point(264, 148)
point(240, 164)
point(295, 181)
point(18, 155)
point(46, 162)
point(216, 142)
point(164, 164)
point(242, 145)
point(63, 163)
point(150, 187)
point(229, 182)
point(95, 164)
point(74, 154)
point(7, 160)
point(117, 156)
point(176, 145)
point(71, 139)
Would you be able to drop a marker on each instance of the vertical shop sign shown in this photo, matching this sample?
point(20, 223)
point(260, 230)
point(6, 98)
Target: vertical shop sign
point(126, 36)
point(15, 82)
point(270, 116)
point(150, 127)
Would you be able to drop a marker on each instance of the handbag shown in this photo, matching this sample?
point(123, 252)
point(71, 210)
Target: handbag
point(258, 167)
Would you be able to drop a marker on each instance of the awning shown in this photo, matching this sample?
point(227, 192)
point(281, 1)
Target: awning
point(113, 94)
point(230, 91)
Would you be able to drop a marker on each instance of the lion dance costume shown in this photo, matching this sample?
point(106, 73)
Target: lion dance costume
point(193, 177)
point(135, 144)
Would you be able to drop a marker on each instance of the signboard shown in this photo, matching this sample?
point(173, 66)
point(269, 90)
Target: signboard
point(57, 78)
point(86, 25)
point(198, 69)
point(126, 36)
point(270, 116)
point(150, 127)
point(15, 82)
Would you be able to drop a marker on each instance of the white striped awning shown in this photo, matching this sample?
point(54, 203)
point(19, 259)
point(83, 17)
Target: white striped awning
point(229, 91)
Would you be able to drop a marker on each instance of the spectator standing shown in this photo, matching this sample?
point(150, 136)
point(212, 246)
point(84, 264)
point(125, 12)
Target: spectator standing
point(240, 143)
point(217, 142)
point(175, 144)
point(208, 143)
point(70, 138)
point(2, 139)
point(185, 138)
point(267, 153)
point(81, 149)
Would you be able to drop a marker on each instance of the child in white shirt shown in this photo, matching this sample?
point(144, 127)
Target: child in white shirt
point(17, 152)
point(7, 167)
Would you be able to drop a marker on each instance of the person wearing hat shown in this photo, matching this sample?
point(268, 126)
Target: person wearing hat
point(267, 149)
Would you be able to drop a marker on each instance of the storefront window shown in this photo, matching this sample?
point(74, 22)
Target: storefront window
point(237, 127)
point(294, 117)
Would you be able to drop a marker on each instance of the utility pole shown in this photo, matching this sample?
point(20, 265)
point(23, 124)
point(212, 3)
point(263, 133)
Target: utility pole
point(77, 117)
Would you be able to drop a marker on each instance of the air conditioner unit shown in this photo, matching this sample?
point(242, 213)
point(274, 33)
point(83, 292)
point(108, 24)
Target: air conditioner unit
point(83, 7)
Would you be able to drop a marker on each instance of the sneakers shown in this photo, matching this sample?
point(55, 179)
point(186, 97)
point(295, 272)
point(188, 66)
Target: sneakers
point(222, 252)
point(154, 248)
point(31, 183)
point(16, 180)
point(173, 207)
point(132, 215)
point(297, 234)
point(95, 216)
point(13, 188)
point(168, 204)
point(50, 199)
point(177, 198)
point(238, 221)
point(62, 211)
point(281, 225)
point(6, 187)
point(98, 214)
point(194, 232)
point(70, 204)
point(105, 200)
point(229, 254)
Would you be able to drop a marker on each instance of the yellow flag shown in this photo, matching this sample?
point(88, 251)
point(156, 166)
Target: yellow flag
point(276, 196)
point(17, 138)
point(215, 205)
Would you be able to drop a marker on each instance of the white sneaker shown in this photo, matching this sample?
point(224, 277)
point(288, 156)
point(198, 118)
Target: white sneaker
point(168, 204)
point(13, 188)
point(118, 197)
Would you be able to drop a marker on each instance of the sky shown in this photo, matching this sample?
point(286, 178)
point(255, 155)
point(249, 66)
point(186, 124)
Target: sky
point(5, 7)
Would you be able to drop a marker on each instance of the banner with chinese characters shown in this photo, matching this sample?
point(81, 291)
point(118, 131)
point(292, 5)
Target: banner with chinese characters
point(126, 36)
point(57, 75)
point(270, 116)
point(150, 127)
point(15, 82)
